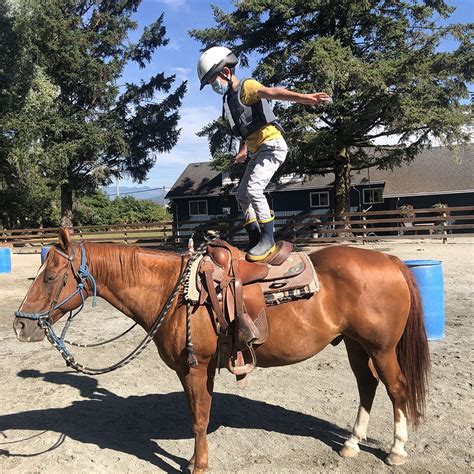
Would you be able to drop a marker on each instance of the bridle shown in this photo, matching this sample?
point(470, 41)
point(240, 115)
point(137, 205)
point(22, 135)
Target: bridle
point(82, 274)
point(44, 318)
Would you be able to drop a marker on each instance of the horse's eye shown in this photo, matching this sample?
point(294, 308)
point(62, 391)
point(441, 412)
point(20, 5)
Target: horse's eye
point(50, 278)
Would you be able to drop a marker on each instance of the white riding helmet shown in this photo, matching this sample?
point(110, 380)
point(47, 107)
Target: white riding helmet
point(212, 61)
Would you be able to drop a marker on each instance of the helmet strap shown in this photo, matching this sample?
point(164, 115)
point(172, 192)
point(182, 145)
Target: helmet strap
point(229, 81)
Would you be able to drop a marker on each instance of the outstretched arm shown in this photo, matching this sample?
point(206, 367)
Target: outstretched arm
point(280, 93)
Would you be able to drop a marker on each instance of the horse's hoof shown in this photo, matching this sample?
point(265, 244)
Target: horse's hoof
point(192, 469)
point(348, 452)
point(396, 459)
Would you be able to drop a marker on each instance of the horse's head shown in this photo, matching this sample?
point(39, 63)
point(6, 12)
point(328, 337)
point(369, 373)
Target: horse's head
point(56, 290)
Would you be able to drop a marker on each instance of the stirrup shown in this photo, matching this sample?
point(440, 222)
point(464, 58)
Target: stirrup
point(237, 365)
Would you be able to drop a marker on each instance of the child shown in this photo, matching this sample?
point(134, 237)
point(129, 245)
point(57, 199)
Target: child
point(252, 119)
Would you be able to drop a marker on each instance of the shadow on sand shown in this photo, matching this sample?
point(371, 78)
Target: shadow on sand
point(102, 417)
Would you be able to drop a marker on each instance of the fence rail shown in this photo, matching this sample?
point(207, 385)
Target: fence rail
point(431, 223)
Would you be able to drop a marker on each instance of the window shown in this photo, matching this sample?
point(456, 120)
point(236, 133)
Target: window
point(319, 199)
point(198, 208)
point(373, 195)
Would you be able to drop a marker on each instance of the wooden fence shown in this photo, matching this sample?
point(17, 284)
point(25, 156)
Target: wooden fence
point(430, 223)
point(160, 233)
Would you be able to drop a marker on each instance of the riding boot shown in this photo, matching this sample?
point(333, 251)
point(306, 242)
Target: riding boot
point(253, 230)
point(266, 244)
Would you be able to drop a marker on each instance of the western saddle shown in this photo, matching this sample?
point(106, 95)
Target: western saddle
point(238, 292)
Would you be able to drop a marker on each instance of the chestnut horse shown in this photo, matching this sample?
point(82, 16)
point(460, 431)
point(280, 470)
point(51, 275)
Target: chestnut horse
point(368, 298)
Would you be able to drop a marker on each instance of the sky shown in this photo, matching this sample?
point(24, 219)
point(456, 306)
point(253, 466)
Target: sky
point(180, 57)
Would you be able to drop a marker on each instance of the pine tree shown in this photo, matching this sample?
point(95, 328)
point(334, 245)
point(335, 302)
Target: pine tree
point(378, 60)
point(94, 129)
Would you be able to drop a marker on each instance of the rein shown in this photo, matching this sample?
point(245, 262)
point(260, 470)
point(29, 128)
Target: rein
point(83, 274)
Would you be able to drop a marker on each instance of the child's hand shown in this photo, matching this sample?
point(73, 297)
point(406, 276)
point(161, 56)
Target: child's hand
point(315, 99)
point(240, 157)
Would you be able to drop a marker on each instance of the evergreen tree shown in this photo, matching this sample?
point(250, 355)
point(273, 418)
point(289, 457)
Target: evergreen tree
point(379, 61)
point(93, 129)
point(99, 209)
point(26, 97)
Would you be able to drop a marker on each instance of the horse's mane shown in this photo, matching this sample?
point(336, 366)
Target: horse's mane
point(128, 262)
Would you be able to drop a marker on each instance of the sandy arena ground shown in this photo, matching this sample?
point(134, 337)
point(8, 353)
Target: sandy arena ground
point(291, 419)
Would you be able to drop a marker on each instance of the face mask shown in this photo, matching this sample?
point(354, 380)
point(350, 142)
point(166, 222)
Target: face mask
point(219, 88)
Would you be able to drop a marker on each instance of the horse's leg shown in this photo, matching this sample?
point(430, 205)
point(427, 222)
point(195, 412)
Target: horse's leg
point(367, 385)
point(389, 372)
point(198, 384)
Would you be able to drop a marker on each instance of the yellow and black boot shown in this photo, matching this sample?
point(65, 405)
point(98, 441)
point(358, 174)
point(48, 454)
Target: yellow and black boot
point(253, 230)
point(266, 244)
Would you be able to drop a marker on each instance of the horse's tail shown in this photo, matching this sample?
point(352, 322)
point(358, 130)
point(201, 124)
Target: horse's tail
point(412, 350)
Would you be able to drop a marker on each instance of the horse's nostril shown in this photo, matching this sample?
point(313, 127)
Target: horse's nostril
point(21, 325)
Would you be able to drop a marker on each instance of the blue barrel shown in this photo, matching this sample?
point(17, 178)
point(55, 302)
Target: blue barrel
point(44, 251)
point(5, 260)
point(429, 276)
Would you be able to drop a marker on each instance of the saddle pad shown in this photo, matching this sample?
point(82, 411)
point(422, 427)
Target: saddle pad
point(280, 297)
point(191, 291)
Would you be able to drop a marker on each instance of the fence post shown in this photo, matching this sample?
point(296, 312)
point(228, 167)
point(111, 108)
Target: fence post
point(174, 232)
point(364, 234)
point(125, 236)
point(445, 227)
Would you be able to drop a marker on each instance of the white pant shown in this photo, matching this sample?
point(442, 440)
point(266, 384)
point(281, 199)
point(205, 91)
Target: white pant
point(261, 166)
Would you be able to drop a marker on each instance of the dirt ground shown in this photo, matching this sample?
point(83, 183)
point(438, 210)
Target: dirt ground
point(291, 419)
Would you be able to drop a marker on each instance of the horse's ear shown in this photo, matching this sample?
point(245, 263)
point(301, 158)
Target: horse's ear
point(65, 240)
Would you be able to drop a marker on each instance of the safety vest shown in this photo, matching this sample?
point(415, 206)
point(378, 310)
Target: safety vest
point(246, 119)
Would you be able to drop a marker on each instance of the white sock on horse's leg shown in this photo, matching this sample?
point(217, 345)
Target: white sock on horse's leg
point(398, 454)
point(359, 433)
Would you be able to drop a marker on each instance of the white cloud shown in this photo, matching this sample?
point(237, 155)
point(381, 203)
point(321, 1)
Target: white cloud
point(182, 73)
point(193, 119)
point(174, 44)
point(174, 4)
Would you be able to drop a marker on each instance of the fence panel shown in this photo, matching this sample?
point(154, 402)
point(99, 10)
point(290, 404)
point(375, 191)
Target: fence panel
point(431, 223)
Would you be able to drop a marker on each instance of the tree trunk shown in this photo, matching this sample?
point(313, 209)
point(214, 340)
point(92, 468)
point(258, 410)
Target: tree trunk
point(342, 183)
point(66, 205)
point(342, 187)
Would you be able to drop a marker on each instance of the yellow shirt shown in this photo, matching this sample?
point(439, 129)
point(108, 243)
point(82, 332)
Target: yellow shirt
point(248, 96)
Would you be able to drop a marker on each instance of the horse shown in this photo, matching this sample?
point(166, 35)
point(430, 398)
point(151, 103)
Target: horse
point(368, 299)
